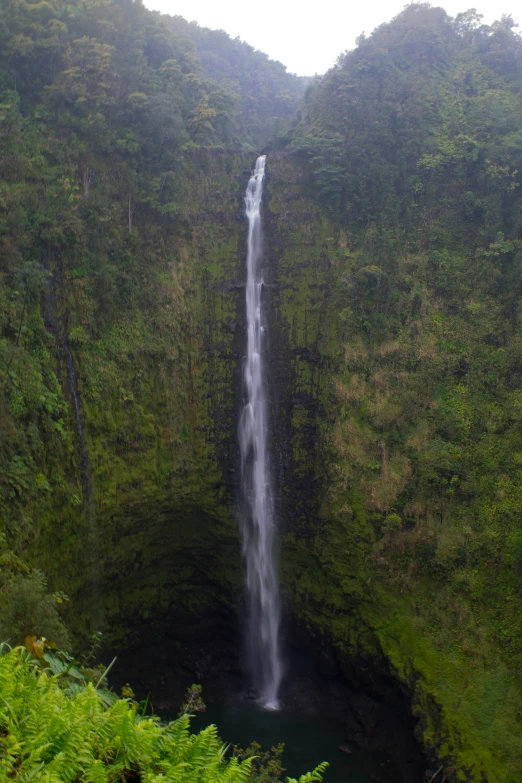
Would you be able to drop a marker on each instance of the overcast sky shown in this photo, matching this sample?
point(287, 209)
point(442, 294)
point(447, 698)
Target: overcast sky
point(307, 37)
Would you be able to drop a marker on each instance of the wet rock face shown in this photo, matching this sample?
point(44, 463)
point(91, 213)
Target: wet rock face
point(372, 705)
point(360, 695)
point(163, 662)
point(165, 466)
point(196, 560)
point(385, 725)
point(169, 580)
point(161, 439)
point(300, 358)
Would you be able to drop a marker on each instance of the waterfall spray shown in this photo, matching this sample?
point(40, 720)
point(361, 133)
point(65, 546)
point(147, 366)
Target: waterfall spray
point(258, 531)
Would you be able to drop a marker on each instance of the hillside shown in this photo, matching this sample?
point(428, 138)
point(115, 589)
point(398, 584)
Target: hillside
point(393, 235)
point(412, 143)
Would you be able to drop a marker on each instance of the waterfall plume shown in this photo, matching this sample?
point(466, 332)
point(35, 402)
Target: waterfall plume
point(257, 522)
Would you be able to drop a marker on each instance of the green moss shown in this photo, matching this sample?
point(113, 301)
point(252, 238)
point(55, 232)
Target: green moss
point(158, 409)
point(157, 539)
point(348, 574)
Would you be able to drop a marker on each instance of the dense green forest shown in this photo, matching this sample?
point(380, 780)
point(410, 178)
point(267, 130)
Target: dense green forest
point(394, 238)
point(104, 108)
point(413, 144)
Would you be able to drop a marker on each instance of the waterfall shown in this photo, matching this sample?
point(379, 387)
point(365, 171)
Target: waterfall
point(258, 530)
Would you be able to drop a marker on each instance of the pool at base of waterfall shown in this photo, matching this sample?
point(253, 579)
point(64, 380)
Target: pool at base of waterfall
point(308, 741)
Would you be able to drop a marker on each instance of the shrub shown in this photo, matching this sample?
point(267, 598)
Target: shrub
point(54, 736)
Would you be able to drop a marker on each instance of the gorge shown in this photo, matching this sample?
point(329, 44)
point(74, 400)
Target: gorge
point(392, 290)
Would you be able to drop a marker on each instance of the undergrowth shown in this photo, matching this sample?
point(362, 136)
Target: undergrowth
point(52, 735)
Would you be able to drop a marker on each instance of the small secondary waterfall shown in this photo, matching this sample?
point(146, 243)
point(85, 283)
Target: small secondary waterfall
point(264, 611)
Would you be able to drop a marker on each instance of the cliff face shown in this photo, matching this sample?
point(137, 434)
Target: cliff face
point(156, 536)
point(393, 271)
point(155, 542)
point(152, 555)
point(370, 563)
point(301, 340)
point(151, 551)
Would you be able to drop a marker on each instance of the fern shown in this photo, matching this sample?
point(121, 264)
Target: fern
point(311, 777)
point(50, 734)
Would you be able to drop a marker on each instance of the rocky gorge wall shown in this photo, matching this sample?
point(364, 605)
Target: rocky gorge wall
point(156, 545)
point(152, 556)
point(344, 567)
point(149, 548)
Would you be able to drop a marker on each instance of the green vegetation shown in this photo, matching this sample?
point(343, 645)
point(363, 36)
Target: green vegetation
point(112, 127)
point(27, 608)
point(394, 229)
point(58, 733)
point(122, 142)
point(412, 144)
point(266, 765)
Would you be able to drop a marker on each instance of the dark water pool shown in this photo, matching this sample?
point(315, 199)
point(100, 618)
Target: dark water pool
point(308, 741)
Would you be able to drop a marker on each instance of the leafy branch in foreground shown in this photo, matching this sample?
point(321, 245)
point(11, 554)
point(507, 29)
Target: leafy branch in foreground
point(53, 735)
point(267, 766)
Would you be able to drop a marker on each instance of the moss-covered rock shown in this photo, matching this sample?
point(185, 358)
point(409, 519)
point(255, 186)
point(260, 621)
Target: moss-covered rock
point(157, 395)
point(370, 564)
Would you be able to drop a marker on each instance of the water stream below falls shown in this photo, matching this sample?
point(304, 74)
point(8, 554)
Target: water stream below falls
point(257, 514)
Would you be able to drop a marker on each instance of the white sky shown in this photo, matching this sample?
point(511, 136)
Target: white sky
point(308, 35)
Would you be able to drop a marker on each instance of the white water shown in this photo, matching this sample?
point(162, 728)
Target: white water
point(264, 610)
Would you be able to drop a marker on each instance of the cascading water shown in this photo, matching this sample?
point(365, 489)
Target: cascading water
point(264, 610)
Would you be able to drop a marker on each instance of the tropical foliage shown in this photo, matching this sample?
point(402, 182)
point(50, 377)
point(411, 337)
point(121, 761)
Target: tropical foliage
point(59, 737)
point(123, 135)
point(107, 112)
point(412, 143)
point(54, 735)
